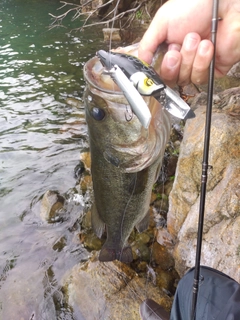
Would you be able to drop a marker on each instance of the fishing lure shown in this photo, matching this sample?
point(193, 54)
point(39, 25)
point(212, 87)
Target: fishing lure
point(147, 82)
point(134, 98)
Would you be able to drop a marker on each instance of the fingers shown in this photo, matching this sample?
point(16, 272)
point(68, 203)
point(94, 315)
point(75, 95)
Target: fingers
point(170, 67)
point(188, 52)
point(153, 36)
point(191, 64)
point(202, 62)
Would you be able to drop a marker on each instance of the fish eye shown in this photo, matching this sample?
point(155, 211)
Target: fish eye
point(97, 113)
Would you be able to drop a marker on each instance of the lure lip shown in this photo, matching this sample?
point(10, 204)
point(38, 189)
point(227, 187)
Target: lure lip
point(177, 106)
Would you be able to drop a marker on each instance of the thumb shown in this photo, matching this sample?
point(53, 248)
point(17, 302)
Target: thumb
point(155, 35)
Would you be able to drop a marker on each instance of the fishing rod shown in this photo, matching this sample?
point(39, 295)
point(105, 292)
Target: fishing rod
point(205, 165)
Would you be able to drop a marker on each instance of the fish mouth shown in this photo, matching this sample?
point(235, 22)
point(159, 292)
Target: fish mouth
point(94, 71)
point(94, 74)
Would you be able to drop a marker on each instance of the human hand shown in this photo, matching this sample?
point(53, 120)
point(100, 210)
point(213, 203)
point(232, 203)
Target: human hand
point(186, 26)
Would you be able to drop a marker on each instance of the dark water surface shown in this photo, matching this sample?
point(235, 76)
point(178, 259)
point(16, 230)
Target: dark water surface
point(40, 140)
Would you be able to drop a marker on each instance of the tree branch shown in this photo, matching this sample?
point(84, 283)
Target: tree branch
point(109, 17)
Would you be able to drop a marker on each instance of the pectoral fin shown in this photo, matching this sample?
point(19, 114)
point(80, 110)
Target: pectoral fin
point(97, 224)
point(143, 224)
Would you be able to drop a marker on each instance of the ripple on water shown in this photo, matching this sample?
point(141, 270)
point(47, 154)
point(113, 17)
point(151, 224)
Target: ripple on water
point(40, 141)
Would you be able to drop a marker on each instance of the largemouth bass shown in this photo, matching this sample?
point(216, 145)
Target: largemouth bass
point(125, 159)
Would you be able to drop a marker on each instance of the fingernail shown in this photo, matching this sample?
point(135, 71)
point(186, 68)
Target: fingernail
point(174, 46)
point(203, 48)
point(171, 61)
point(190, 43)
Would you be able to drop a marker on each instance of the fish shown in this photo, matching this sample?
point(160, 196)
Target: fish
point(126, 159)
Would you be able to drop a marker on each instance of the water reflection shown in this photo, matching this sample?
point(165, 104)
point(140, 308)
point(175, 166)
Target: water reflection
point(40, 140)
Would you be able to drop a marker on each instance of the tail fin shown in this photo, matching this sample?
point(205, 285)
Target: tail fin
point(110, 254)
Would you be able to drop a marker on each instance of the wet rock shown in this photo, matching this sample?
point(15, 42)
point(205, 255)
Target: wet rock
point(73, 102)
point(161, 203)
point(85, 180)
point(168, 186)
point(60, 244)
point(141, 251)
point(171, 166)
point(85, 183)
point(52, 206)
point(109, 290)
point(79, 170)
point(165, 239)
point(112, 34)
point(166, 280)
point(143, 238)
point(85, 158)
point(86, 223)
point(222, 214)
point(162, 257)
point(91, 241)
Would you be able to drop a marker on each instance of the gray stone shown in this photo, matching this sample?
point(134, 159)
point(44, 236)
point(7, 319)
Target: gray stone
point(109, 290)
point(221, 238)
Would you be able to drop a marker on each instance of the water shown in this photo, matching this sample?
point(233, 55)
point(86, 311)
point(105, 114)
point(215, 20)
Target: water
point(40, 140)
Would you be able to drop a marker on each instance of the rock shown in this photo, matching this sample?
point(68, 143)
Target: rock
point(90, 5)
point(73, 102)
point(86, 183)
point(85, 158)
point(141, 251)
point(86, 222)
point(164, 238)
point(111, 290)
point(235, 71)
point(221, 236)
point(96, 3)
point(140, 246)
point(79, 170)
point(91, 241)
point(85, 180)
point(162, 257)
point(111, 33)
point(51, 206)
point(166, 279)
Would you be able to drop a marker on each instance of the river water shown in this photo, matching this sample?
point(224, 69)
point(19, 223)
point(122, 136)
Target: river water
point(40, 141)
